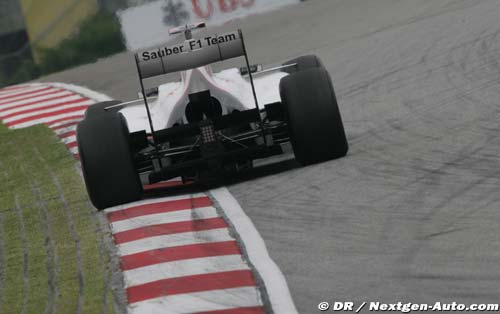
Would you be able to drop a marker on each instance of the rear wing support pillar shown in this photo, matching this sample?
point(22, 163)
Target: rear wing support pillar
point(250, 76)
point(144, 96)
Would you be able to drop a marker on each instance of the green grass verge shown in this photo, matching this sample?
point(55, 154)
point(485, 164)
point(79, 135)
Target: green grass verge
point(52, 257)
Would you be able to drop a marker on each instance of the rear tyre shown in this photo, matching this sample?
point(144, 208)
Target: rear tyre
point(97, 110)
point(107, 162)
point(303, 63)
point(314, 122)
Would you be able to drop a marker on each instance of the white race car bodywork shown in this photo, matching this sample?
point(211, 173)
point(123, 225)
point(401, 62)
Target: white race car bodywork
point(229, 87)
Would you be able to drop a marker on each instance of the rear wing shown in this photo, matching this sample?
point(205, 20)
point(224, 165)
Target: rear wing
point(189, 54)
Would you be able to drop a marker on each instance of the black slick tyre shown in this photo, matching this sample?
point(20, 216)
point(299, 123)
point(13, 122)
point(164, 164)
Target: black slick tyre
point(107, 163)
point(312, 113)
point(303, 63)
point(97, 110)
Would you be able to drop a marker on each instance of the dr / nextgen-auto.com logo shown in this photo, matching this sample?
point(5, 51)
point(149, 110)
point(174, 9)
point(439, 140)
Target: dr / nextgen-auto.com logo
point(406, 307)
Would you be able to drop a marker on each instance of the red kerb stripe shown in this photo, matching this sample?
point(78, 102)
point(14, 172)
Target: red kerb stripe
point(67, 134)
point(50, 92)
point(46, 115)
point(157, 208)
point(169, 228)
point(190, 284)
point(32, 97)
point(71, 144)
point(69, 102)
point(178, 253)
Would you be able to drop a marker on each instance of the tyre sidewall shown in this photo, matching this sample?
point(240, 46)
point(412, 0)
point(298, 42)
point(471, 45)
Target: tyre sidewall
point(97, 110)
point(315, 125)
point(107, 163)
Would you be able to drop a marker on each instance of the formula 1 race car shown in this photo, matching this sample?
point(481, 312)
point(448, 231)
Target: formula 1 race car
point(204, 127)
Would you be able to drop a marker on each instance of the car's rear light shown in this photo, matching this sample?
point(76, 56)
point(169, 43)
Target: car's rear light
point(207, 130)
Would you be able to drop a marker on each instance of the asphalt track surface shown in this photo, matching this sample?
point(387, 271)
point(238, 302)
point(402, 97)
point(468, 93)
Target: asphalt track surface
point(412, 214)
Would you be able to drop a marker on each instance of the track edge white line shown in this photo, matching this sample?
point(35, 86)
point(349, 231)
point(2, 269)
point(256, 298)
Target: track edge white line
point(256, 250)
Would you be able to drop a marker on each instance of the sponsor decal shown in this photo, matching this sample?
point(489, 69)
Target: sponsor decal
point(147, 25)
point(192, 45)
point(205, 8)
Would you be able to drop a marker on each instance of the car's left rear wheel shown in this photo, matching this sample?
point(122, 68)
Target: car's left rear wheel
point(97, 110)
point(107, 162)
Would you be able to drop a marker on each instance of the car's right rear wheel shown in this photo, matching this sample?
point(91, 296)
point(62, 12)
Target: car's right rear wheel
point(312, 113)
point(107, 163)
point(303, 63)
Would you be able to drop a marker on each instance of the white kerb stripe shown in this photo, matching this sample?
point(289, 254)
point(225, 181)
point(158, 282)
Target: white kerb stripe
point(11, 103)
point(189, 267)
point(20, 91)
point(66, 129)
point(169, 217)
point(199, 301)
point(22, 99)
point(9, 89)
point(171, 240)
point(47, 119)
point(69, 139)
point(41, 103)
point(41, 111)
point(73, 150)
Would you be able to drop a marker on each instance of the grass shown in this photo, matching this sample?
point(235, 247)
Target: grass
point(98, 36)
point(52, 257)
